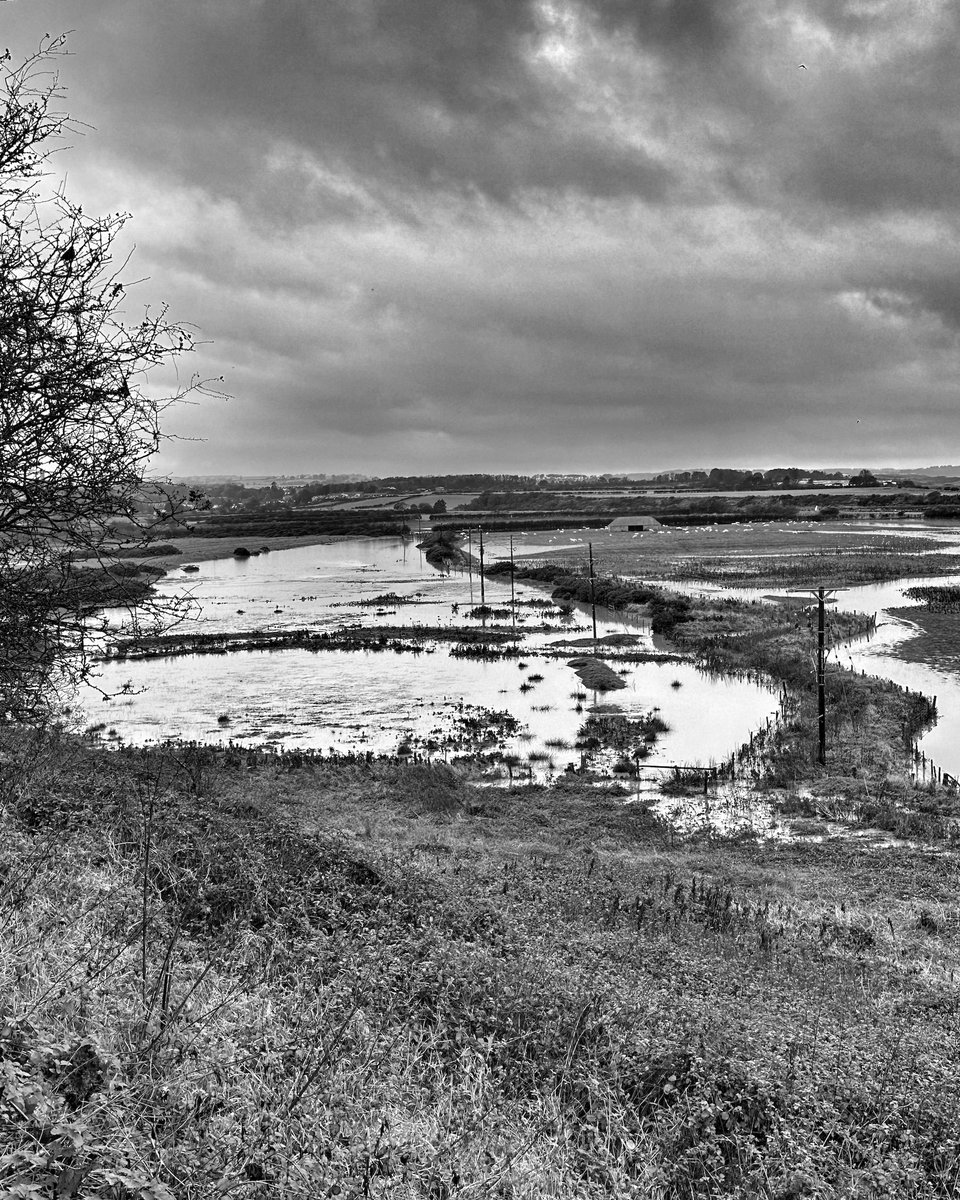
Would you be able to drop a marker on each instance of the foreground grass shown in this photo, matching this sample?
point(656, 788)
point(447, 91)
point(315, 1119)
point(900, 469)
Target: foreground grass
point(384, 982)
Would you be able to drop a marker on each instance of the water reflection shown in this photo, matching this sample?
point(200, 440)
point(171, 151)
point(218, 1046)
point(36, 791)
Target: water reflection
point(933, 667)
point(352, 701)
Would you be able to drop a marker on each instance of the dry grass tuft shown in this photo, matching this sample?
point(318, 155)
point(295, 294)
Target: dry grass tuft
point(213, 985)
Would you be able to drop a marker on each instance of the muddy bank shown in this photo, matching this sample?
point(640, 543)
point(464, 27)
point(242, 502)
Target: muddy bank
point(941, 598)
point(119, 585)
point(611, 639)
point(937, 639)
point(443, 551)
point(205, 549)
point(596, 675)
point(848, 568)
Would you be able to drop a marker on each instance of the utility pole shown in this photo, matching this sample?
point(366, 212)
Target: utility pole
point(821, 595)
point(483, 598)
point(593, 601)
point(821, 687)
point(470, 562)
point(513, 595)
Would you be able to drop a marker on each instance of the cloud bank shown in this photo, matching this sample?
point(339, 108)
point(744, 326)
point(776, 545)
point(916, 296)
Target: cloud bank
point(579, 234)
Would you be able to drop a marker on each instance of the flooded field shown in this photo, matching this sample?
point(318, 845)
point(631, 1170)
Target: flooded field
point(529, 706)
point(914, 648)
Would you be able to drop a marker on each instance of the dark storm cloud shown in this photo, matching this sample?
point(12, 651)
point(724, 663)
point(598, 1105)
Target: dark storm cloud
point(413, 95)
point(914, 296)
point(940, 296)
point(521, 233)
point(865, 19)
point(882, 144)
point(873, 128)
point(697, 28)
point(356, 108)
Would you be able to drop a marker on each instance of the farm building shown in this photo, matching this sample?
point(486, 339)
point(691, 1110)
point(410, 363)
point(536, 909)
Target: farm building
point(634, 524)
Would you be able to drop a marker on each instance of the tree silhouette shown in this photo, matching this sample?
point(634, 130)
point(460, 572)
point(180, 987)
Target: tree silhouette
point(864, 478)
point(77, 428)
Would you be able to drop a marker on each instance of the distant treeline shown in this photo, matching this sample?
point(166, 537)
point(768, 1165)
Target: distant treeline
point(469, 483)
point(520, 502)
point(730, 479)
point(718, 479)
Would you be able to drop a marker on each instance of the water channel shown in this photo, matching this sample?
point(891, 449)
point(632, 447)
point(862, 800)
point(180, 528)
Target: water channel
point(900, 649)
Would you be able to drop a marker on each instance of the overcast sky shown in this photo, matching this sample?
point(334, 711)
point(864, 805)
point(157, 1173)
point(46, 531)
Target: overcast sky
point(599, 235)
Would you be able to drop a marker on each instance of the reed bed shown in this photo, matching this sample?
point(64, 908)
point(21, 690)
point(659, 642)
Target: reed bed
point(942, 598)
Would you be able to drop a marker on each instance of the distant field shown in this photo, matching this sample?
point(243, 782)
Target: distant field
point(452, 500)
point(759, 537)
point(761, 554)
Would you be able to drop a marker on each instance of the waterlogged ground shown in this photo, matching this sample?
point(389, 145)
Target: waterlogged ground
point(914, 648)
point(358, 701)
point(653, 549)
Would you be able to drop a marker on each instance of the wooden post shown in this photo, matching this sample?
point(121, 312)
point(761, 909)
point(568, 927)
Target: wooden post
point(483, 598)
point(821, 687)
point(593, 602)
point(513, 596)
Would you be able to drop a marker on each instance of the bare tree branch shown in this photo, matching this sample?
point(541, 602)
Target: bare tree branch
point(77, 427)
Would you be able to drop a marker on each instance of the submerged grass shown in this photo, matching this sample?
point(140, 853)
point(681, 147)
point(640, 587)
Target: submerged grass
point(383, 981)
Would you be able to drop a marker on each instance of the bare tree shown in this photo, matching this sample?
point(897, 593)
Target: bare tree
point(77, 427)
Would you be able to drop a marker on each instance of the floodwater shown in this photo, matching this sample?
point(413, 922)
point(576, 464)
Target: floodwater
point(930, 666)
point(355, 701)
